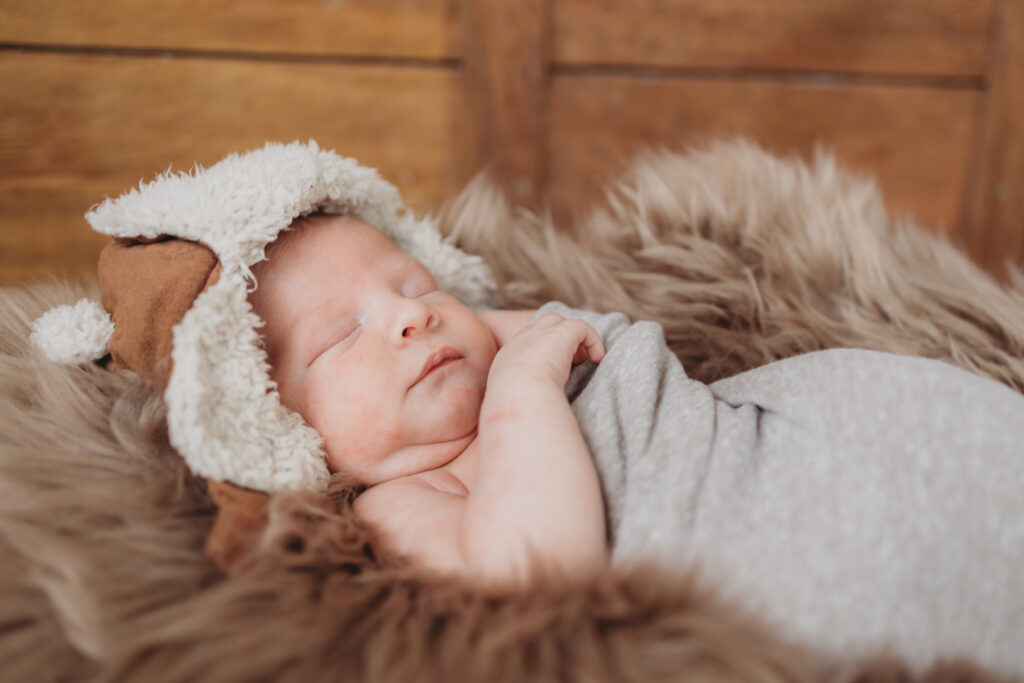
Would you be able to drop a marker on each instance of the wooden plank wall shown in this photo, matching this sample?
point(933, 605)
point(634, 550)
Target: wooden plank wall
point(552, 95)
point(100, 93)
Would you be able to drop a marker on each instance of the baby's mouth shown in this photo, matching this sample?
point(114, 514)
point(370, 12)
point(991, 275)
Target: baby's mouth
point(437, 360)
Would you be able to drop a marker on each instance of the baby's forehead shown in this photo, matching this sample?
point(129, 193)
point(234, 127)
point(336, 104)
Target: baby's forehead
point(321, 237)
point(331, 250)
point(315, 227)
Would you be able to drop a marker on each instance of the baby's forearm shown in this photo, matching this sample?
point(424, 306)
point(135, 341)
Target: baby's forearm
point(536, 497)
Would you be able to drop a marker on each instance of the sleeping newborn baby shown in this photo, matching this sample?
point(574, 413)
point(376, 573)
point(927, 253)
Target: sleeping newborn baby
point(392, 371)
point(858, 500)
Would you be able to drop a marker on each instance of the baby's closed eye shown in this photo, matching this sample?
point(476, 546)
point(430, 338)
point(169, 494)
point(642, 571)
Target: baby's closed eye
point(341, 334)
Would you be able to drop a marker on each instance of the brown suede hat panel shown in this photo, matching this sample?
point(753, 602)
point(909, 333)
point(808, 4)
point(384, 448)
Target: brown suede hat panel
point(148, 286)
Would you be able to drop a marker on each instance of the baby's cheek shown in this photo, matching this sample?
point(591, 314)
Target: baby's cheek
point(377, 429)
point(359, 439)
point(369, 425)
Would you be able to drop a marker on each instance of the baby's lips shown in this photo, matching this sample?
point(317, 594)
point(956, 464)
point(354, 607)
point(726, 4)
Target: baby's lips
point(435, 359)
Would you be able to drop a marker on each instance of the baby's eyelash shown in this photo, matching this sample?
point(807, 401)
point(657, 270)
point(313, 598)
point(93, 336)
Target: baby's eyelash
point(334, 341)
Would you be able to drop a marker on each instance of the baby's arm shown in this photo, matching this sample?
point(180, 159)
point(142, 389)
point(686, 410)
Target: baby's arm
point(536, 495)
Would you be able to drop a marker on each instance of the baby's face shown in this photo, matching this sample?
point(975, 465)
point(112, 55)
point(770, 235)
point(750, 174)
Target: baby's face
point(352, 324)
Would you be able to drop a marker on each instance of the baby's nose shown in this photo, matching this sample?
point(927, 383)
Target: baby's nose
point(416, 318)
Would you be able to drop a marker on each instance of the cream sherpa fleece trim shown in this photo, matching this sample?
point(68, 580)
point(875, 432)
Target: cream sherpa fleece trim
point(73, 334)
point(224, 414)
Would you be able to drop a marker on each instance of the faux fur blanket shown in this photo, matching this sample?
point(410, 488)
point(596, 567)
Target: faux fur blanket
point(744, 258)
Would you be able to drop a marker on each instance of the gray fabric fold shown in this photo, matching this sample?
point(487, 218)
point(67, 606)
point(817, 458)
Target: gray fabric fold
point(857, 500)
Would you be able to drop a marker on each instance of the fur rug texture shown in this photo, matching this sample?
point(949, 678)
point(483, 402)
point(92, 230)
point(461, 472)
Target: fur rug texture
point(743, 257)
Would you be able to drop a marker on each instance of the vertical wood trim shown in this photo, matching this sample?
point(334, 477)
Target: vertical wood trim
point(505, 53)
point(994, 211)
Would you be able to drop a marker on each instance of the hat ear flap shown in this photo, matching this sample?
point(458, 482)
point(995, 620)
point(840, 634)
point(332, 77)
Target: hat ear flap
point(148, 286)
point(238, 528)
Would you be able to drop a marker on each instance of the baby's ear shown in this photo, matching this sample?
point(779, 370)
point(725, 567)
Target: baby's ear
point(241, 519)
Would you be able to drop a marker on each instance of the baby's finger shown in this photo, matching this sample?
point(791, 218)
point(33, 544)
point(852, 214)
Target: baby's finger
point(595, 347)
point(590, 346)
point(580, 355)
point(548, 320)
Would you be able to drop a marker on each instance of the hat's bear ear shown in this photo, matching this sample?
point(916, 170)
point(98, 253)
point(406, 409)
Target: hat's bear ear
point(148, 286)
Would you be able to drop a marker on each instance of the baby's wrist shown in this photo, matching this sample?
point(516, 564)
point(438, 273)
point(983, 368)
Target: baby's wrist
point(522, 382)
point(518, 397)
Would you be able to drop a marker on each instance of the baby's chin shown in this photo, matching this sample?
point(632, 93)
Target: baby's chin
point(407, 461)
point(442, 430)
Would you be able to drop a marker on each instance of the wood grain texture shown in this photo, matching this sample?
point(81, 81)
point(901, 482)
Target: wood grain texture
point(915, 140)
point(923, 37)
point(995, 215)
point(74, 128)
point(391, 28)
point(505, 58)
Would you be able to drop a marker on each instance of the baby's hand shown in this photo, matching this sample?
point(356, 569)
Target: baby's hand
point(545, 351)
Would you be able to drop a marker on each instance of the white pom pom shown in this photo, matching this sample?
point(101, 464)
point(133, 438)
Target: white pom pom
point(73, 334)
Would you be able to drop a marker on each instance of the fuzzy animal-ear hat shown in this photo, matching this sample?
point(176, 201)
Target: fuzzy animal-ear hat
point(175, 281)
